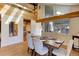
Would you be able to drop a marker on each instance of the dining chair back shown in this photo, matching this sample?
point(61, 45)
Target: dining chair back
point(62, 51)
point(39, 48)
point(30, 41)
point(38, 44)
point(69, 47)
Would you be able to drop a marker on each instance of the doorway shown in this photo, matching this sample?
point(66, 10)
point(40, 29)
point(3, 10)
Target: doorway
point(26, 28)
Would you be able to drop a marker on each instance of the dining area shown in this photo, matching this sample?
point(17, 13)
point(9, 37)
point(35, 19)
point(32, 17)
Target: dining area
point(48, 43)
point(48, 46)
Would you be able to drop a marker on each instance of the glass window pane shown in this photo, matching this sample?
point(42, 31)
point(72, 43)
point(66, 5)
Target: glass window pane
point(61, 26)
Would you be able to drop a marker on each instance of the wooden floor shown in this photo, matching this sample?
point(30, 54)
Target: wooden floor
point(74, 52)
point(15, 50)
point(21, 50)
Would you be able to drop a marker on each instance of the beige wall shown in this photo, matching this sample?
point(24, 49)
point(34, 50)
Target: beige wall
point(74, 26)
point(1, 6)
point(74, 22)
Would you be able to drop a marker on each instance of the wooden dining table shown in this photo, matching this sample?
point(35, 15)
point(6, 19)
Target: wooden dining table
point(51, 44)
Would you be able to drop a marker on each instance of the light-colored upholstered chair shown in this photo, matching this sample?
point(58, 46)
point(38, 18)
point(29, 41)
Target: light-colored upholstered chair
point(62, 51)
point(30, 43)
point(39, 48)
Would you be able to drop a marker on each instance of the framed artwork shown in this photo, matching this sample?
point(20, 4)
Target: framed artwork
point(13, 29)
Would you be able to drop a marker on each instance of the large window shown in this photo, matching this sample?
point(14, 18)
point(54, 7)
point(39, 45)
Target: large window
point(48, 12)
point(59, 26)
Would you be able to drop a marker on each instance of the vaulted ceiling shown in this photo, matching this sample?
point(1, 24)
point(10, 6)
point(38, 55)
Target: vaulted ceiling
point(31, 7)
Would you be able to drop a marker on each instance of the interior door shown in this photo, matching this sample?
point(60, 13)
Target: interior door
point(26, 28)
point(0, 30)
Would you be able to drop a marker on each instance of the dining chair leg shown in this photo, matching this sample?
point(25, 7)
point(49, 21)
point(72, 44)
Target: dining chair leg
point(53, 55)
point(35, 53)
point(28, 49)
point(32, 52)
point(46, 54)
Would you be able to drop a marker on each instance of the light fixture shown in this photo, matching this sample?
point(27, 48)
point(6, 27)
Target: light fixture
point(67, 27)
point(59, 13)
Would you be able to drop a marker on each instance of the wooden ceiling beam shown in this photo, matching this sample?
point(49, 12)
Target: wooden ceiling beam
point(1, 6)
point(54, 18)
point(21, 7)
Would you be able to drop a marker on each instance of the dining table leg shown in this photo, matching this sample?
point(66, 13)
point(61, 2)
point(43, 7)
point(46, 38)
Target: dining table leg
point(50, 51)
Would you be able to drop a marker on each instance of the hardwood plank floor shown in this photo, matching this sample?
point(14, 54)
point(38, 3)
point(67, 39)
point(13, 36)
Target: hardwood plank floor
point(21, 50)
point(73, 52)
point(15, 50)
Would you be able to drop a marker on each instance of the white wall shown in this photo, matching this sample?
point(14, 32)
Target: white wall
point(5, 39)
point(36, 28)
